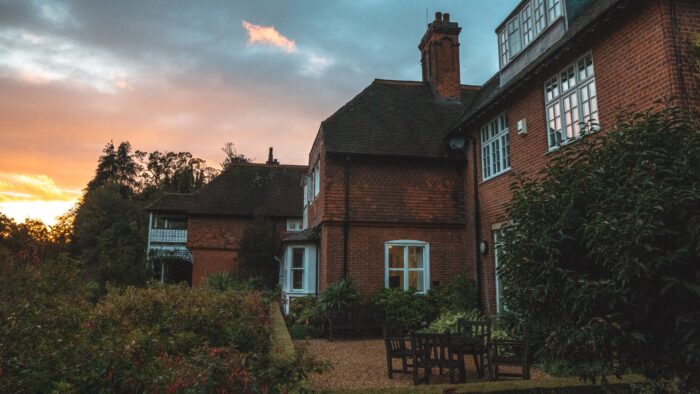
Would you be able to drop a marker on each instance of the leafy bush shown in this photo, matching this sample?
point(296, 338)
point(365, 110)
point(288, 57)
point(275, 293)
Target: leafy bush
point(220, 281)
point(458, 295)
point(162, 338)
point(605, 251)
point(405, 308)
point(337, 296)
point(448, 320)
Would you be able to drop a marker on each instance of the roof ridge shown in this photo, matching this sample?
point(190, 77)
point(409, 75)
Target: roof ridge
point(399, 82)
point(265, 165)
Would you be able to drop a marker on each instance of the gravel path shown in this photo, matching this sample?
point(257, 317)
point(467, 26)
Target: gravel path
point(361, 364)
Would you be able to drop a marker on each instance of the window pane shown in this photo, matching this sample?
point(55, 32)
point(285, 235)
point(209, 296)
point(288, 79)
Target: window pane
point(415, 257)
point(506, 151)
point(415, 280)
point(396, 257)
point(504, 47)
point(298, 258)
point(514, 36)
point(297, 279)
point(496, 156)
point(540, 21)
point(554, 117)
point(553, 9)
point(568, 79)
point(396, 279)
point(526, 18)
point(571, 116)
point(589, 103)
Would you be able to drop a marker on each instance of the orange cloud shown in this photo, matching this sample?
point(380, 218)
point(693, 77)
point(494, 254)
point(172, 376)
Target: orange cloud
point(34, 196)
point(20, 187)
point(268, 35)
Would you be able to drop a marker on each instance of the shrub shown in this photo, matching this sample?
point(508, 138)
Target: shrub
point(448, 320)
point(405, 308)
point(164, 338)
point(458, 295)
point(337, 296)
point(220, 281)
point(605, 251)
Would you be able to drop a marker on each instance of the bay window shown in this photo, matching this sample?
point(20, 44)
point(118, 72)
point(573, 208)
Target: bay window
point(571, 102)
point(531, 19)
point(495, 148)
point(407, 265)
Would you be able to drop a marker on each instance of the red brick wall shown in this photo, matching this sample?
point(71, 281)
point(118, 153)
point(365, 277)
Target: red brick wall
point(215, 243)
point(393, 190)
point(390, 199)
point(634, 66)
point(366, 260)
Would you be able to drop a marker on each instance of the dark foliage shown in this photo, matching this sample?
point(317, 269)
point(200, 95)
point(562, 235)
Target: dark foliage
point(605, 250)
point(259, 246)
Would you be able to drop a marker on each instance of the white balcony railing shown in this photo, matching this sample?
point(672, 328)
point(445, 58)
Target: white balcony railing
point(168, 236)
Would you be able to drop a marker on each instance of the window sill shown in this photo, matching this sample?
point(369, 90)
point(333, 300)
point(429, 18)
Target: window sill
point(567, 143)
point(492, 177)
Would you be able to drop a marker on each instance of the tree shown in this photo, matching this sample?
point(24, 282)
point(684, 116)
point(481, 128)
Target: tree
point(110, 235)
point(233, 157)
point(605, 246)
point(259, 246)
point(117, 166)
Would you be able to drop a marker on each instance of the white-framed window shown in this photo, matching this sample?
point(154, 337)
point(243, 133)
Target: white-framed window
point(571, 102)
point(317, 177)
point(531, 19)
point(294, 225)
point(297, 269)
point(407, 265)
point(495, 148)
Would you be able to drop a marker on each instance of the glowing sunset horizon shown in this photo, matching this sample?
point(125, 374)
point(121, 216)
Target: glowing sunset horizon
point(74, 76)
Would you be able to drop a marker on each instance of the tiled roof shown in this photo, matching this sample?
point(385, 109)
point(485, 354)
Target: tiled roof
point(244, 190)
point(306, 235)
point(492, 89)
point(394, 118)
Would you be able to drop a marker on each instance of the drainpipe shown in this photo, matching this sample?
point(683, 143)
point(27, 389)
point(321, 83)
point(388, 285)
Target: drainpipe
point(346, 222)
point(477, 226)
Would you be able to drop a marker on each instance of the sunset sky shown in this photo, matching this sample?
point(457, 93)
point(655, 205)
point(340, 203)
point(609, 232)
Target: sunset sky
point(192, 75)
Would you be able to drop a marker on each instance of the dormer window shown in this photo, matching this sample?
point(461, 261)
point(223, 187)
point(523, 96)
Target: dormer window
point(525, 25)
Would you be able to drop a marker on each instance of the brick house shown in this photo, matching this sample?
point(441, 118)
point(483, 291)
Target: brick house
point(384, 195)
point(564, 64)
point(406, 184)
point(194, 235)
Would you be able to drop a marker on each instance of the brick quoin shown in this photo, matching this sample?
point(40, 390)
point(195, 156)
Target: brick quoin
point(635, 65)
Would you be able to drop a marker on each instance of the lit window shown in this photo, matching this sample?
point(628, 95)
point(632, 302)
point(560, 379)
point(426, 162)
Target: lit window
point(495, 150)
point(571, 102)
point(297, 269)
point(407, 265)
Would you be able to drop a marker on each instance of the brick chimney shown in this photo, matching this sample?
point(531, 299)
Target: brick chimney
point(271, 159)
point(439, 50)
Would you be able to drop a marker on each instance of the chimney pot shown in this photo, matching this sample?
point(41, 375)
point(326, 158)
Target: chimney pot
point(439, 49)
point(271, 159)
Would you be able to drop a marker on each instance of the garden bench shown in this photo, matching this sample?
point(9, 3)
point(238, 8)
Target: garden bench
point(480, 350)
point(356, 320)
point(511, 353)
